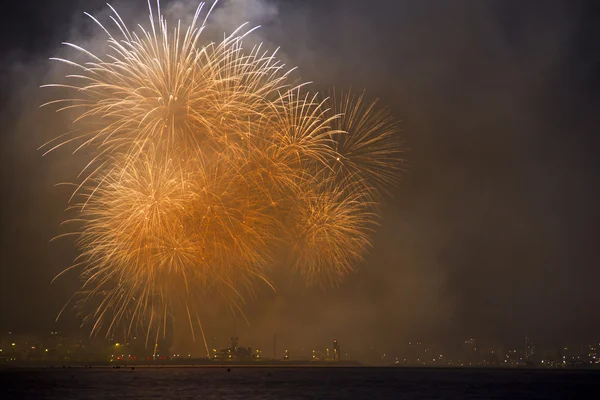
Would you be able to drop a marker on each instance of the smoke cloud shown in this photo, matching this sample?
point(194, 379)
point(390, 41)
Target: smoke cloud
point(490, 234)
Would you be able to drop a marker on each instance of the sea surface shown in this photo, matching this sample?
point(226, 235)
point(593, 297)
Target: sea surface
point(296, 383)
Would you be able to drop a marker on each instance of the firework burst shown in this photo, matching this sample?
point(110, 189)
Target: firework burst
point(205, 162)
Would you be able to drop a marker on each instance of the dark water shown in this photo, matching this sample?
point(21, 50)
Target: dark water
point(297, 383)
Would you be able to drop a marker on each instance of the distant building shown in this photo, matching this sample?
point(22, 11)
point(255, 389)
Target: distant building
point(416, 353)
point(593, 354)
point(235, 353)
point(336, 350)
point(470, 354)
point(529, 349)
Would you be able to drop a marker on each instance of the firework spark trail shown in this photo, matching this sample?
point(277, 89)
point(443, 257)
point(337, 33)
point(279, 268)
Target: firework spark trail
point(206, 160)
point(366, 143)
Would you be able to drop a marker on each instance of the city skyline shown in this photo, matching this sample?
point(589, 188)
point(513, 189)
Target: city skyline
point(58, 347)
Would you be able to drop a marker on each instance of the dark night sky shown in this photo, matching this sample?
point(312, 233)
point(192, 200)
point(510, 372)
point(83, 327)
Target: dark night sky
point(495, 229)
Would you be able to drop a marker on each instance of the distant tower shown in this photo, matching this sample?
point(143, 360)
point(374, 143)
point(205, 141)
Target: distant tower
point(336, 350)
point(234, 338)
point(529, 348)
point(470, 351)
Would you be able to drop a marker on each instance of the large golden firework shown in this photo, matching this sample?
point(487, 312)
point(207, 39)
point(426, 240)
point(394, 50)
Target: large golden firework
point(206, 164)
